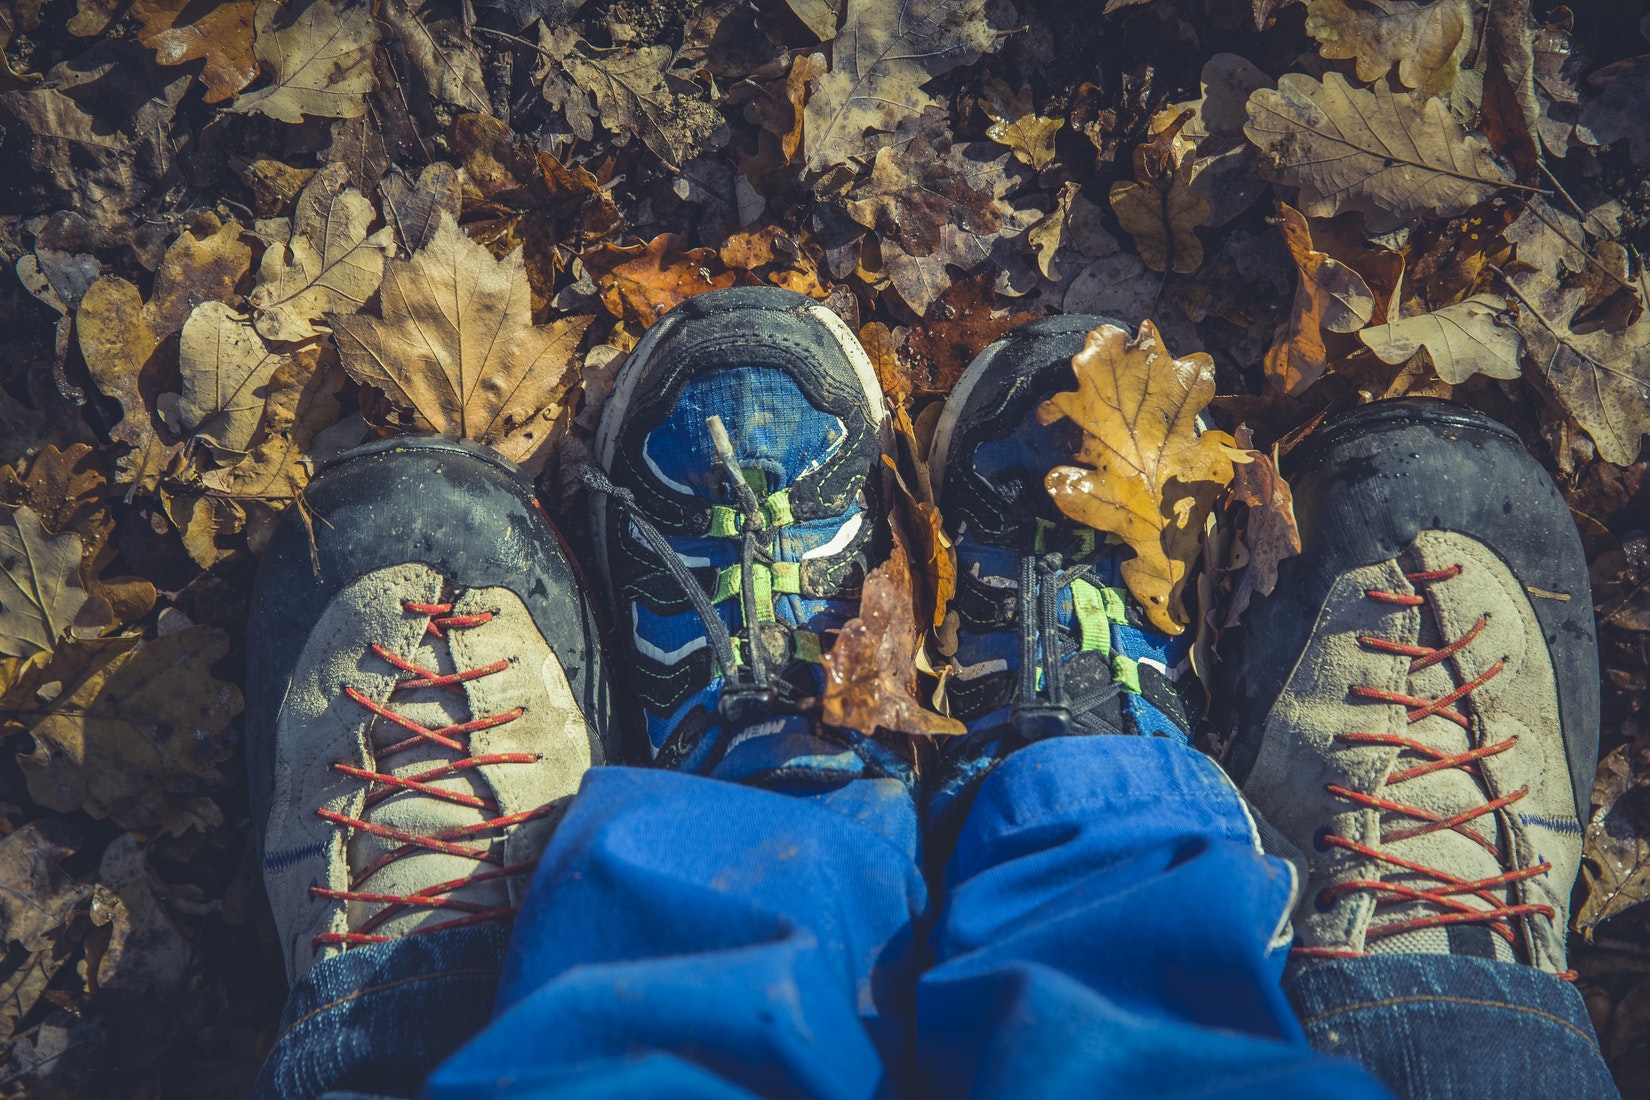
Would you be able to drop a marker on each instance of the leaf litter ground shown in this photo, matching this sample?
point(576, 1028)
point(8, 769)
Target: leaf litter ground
point(241, 237)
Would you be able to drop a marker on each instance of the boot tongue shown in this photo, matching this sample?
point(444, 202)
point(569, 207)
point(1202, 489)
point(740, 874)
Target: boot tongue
point(419, 813)
point(1444, 793)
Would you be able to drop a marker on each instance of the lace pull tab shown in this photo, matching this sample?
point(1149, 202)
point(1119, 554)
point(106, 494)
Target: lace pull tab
point(745, 704)
point(1039, 720)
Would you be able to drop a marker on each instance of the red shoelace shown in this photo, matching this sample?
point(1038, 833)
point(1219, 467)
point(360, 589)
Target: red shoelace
point(1446, 899)
point(381, 785)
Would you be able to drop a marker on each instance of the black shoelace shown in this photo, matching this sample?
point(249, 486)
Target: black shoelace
point(1050, 713)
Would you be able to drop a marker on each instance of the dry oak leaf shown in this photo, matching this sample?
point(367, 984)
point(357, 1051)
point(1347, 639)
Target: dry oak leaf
point(1016, 124)
point(457, 343)
point(120, 334)
point(36, 895)
point(225, 366)
point(330, 265)
point(1467, 338)
point(643, 282)
point(1163, 222)
point(870, 671)
point(1270, 533)
point(41, 598)
point(881, 57)
point(1395, 157)
point(442, 53)
point(320, 56)
point(1601, 378)
point(1423, 40)
point(138, 738)
point(1148, 476)
point(635, 95)
point(1330, 296)
point(1070, 235)
point(219, 33)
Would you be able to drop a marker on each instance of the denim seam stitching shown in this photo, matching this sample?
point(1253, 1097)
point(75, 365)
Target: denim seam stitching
point(359, 993)
point(1390, 1002)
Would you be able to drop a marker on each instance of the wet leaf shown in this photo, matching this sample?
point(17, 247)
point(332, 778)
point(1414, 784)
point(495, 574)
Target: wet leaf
point(1394, 156)
point(319, 56)
point(1424, 40)
point(330, 264)
point(870, 671)
point(1148, 476)
point(882, 56)
point(1471, 337)
point(635, 95)
point(642, 282)
point(1330, 296)
point(1615, 869)
point(456, 343)
point(219, 33)
point(138, 738)
point(1016, 124)
point(963, 321)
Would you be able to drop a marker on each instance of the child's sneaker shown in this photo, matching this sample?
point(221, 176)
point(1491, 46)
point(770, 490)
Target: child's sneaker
point(1415, 707)
point(424, 693)
point(737, 511)
point(1031, 580)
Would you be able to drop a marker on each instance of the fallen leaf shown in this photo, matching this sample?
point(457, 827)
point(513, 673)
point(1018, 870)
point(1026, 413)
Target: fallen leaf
point(643, 282)
point(330, 264)
point(909, 200)
point(456, 343)
point(442, 53)
point(634, 94)
point(36, 895)
point(819, 16)
point(1162, 223)
point(1269, 532)
point(41, 598)
point(1558, 65)
point(961, 323)
point(882, 56)
point(303, 402)
point(320, 57)
point(1016, 124)
point(1615, 868)
point(1220, 165)
point(1394, 156)
point(1619, 112)
point(1471, 337)
point(120, 335)
point(1601, 378)
point(225, 366)
point(1510, 113)
point(1424, 40)
point(1071, 235)
point(1149, 477)
point(870, 671)
point(413, 207)
point(1330, 295)
point(139, 737)
point(219, 33)
point(275, 185)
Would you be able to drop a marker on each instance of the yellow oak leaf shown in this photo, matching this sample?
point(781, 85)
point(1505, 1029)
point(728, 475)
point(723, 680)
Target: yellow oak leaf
point(457, 344)
point(1016, 124)
point(1148, 476)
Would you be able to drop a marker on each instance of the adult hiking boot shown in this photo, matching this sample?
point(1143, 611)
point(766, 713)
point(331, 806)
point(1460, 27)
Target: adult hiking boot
point(425, 690)
point(1415, 707)
point(737, 510)
point(1049, 642)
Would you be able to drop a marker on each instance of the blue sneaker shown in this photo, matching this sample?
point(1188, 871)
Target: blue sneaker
point(1031, 581)
point(737, 512)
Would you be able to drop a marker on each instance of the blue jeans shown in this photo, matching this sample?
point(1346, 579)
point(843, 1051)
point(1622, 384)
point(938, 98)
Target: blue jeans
point(1103, 924)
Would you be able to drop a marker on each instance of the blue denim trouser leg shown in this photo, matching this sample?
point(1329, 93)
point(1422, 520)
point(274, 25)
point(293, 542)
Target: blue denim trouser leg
point(1108, 929)
point(377, 1019)
point(1449, 1027)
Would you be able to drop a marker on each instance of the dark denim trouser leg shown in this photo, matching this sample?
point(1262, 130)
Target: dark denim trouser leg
point(1450, 1027)
point(377, 1019)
